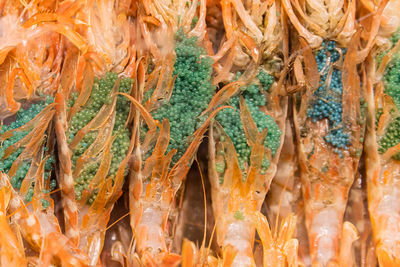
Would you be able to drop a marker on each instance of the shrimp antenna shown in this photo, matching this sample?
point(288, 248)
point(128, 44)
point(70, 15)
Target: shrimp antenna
point(123, 216)
point(211, 238)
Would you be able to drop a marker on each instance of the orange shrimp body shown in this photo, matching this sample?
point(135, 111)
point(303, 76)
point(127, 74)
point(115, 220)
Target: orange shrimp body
point(245, 141)
point(382, 166)
point(173, 89)
point(95, 147)
point(329, 120)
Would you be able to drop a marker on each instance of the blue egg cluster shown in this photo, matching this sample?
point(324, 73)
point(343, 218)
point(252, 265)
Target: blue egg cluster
point(339, 139)
point(327, 103)
point(326, 108)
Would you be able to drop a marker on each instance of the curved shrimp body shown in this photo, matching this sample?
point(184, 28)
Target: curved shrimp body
point(94, 148)
point(381, 146)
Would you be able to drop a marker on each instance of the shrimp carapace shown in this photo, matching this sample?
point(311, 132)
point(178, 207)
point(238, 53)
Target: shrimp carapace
point(245, 144)
point(329, 121)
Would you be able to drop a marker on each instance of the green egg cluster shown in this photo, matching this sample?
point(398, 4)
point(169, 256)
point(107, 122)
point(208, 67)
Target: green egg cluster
point(23, 116)
point(233, 125)
point(392, 88)
point(191, 94)
point(392, 80)
point(395, 37)
point(266, 80)
point(391, 137)
point(101, 95)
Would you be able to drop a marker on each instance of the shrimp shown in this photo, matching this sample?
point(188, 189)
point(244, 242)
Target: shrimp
point(381, 144)
point(173, 89)
point(245, 142)
point(329, 119)
point(27, 158)
point(94, 148)
point(27, 151)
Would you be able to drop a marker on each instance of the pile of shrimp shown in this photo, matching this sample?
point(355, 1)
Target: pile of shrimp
point(200, 133)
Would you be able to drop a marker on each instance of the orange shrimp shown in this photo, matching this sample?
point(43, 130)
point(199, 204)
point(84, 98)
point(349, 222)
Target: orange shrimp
point(29, 148)
point(235, 199)
point(381, 156)
point(241, 168)
point(86, 220)
point(159, 165)
point(328, 163)
point(40, 228)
